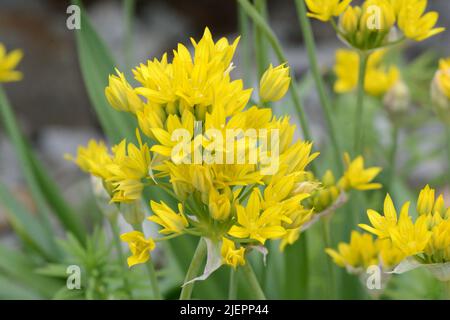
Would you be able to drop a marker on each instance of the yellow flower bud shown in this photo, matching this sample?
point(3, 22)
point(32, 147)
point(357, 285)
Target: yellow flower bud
point(219, 205)
point(121, 96)
point(274, 83)
point(440, 91)
point(425, 202)
point(349, 20)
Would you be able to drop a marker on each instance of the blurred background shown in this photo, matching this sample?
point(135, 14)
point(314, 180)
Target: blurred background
point(52, 104)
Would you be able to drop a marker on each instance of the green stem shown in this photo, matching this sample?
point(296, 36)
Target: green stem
point(359, 133)
point(116, 239)
point(253, 281)
point(194, 269)
point(261, 54)
point(324, 99)
point(276, 46)
point(151, 271)
point(447, 128)
point(447, 290)
point(296, 269)
point(232, 290)
point(128, 12)
point(331, 288)
point(243, 25)
point(392, 159)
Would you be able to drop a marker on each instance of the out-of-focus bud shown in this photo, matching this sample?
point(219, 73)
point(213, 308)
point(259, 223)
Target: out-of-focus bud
point(328, 179)
point(103, 199)
point(349, 20)
point(121, 95)
point(219, 205)
point(397, 99)
point(132, 212)
point(440, 91)
point(274, 83)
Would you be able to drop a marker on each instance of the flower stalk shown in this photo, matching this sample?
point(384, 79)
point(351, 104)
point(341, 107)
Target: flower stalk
point(392, 158)
point(359, 132)
point(194, 269)
point(151, 271)
point(324, 99)
point(253, 282)
point(232, 290)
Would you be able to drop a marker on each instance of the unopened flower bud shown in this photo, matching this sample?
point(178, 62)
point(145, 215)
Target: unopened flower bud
point(274, 83)
point(397, 99)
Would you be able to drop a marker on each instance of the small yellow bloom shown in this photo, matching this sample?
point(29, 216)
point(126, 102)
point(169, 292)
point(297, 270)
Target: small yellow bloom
point(438, 248)
point(414, 23)
point(357, 177)
point(139, 247)
point(130, 165)
point(121, 96)
point(94, 159)
point(324, 10)
point(8, 62)
point(257, 225)
point(274, 83)
point(171, 221)
point(361, 252)
point(411, 238)
point(230, 255)
point(382, 226)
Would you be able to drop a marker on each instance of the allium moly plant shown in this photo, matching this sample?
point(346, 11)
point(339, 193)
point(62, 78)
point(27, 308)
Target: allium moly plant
point(239, 177)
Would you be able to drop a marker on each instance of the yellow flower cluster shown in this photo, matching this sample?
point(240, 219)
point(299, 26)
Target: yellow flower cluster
point(8, 62)
point(363, 251)
point(235, 192)
point(379, 79)
point(371, 25)
point(426, 239)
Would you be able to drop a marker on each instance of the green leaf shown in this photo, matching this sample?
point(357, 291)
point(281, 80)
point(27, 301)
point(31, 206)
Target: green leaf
point(9, 290)
point(21, 270)
point(96, 65)
point(27, 226)
point(42, 188)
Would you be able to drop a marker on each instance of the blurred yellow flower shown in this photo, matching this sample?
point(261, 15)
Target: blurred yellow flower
point(139, 247)
point(171, 221)
point(357, 177)
point(414, 23)
point(361, 252)
point(8, 62)
point(378, 79)
point(440, 91)
point(324, 10)
point(230, 255)
point(274, 83)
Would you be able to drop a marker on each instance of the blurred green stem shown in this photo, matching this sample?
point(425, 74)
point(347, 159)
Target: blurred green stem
point(261, 54)
point(447, 289)
point(151, 270)
point(323, 96)
point(245, 47)
point(296, 272)
point(128, 12)
point(194, 269)
point(392, 158)
point(122, 261)
point(232, 290)
point(331, 288)
point(253, 281)
point(271, 37)
point(359, 125)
